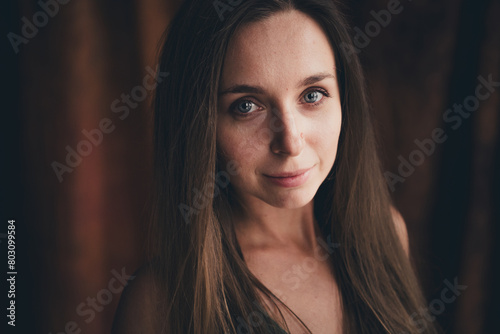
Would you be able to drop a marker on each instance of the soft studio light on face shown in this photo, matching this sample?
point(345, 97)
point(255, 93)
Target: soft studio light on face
point(279, 110)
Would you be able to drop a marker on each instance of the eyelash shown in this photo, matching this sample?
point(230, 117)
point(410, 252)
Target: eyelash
point(317, 89)
point(235, 104)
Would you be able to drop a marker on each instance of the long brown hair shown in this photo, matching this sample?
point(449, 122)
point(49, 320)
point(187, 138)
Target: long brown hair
point(201, 278)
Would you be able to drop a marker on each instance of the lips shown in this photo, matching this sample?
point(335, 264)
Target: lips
point(290, 179)
point(289, 174)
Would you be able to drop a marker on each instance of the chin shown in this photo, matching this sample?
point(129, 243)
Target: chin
point(291, 198)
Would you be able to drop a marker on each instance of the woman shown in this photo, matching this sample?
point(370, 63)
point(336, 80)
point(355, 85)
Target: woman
point(271, 212)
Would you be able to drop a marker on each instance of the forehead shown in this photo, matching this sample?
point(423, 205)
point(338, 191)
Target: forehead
point(287, 44)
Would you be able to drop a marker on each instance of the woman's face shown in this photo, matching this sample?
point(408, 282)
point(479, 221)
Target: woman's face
point(279, 110)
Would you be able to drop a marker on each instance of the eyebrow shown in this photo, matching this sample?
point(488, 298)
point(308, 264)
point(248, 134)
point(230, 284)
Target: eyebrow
point(239, 89)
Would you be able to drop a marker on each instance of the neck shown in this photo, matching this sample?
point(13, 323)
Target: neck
point(261, 226)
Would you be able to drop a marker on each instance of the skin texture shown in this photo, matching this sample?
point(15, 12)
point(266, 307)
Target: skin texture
point(285, 131)
point(293, 123)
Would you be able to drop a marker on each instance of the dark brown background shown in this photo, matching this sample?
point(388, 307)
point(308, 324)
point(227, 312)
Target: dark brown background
point(72, 234)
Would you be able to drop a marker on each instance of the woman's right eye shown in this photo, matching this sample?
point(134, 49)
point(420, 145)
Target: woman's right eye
point(244, 107)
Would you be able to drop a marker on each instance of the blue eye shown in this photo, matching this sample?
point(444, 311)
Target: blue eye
point(244, 107)
point(313, 97)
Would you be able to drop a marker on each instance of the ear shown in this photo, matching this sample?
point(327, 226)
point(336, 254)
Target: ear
point(401, 230)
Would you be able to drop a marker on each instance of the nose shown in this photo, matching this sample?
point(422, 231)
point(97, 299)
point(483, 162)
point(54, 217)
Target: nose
point(287, 138)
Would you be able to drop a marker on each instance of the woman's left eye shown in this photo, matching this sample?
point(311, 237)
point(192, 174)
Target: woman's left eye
point(314, 96)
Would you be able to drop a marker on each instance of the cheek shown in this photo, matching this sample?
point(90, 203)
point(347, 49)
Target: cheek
point(244, 143)
point(238, 146)
point(326, 135)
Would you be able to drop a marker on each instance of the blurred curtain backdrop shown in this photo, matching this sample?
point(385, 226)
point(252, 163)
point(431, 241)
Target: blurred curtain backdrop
point(81, 232)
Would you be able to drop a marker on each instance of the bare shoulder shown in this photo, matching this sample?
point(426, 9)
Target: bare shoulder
point(401, 229)
point(135, 312)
